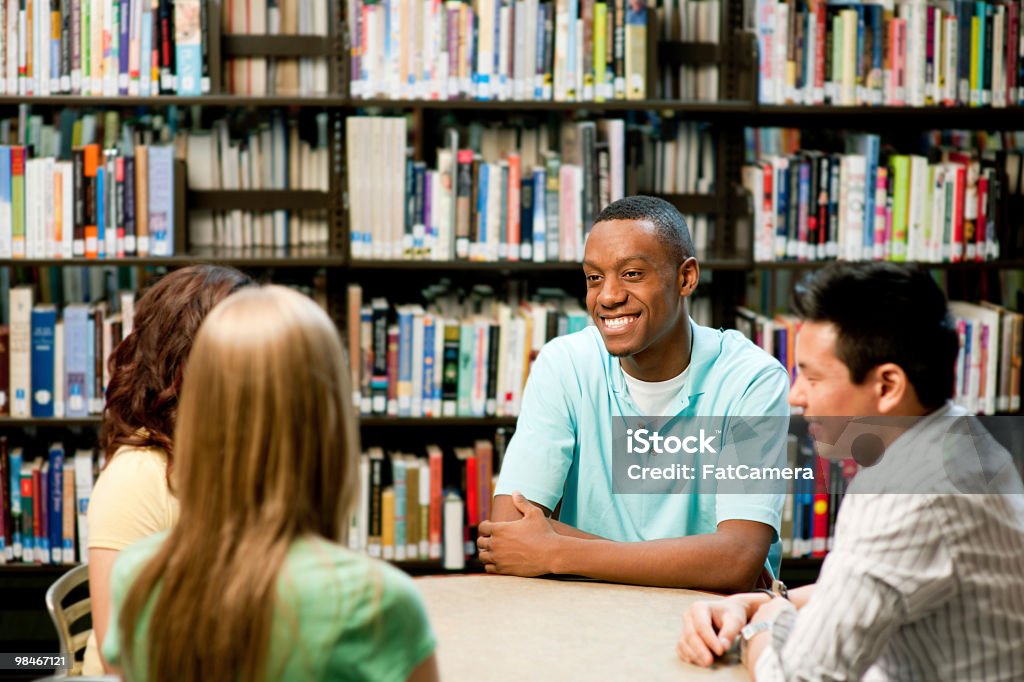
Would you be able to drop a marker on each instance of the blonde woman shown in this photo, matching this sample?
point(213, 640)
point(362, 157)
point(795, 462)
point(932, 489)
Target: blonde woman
point(252, 583)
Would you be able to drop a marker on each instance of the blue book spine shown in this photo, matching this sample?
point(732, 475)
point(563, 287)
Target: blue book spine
point(538, 82)
point(481, 210)
point(44, 321)
point(782, 209)
point(982, 10)
point(429, 331)
point(123, 48)
point(161, 200)
point(404, 363)
point(540, 184)
point(570, 49)
point(76, 360)
point(398, 467)
point(496, 77)
point(14, 462)
point(878, 37)
point(145, 61)
point(6, 224)
point(804, 205)
point(188, 48)
point(101, 211)
point(42, 554)
point(872, 145)
point(56, 503)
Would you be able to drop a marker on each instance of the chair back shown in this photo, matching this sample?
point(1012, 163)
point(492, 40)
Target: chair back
point(65, 616)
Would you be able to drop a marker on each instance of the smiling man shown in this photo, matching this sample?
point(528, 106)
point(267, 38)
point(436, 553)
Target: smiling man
point(644, 356)
point(925, 579)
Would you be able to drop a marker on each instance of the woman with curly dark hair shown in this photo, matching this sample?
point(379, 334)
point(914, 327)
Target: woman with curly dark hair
point(133, 498)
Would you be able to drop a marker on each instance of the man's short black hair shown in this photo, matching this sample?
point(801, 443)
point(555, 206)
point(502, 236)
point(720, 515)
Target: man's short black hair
point(886, 312)
point(669, 224)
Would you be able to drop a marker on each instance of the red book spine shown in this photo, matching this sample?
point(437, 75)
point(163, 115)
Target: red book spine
point(980, 229)
point(392, 371)
point(436, 484)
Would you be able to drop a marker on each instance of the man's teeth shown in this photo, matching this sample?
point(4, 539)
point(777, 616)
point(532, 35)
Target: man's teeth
point(618, 322)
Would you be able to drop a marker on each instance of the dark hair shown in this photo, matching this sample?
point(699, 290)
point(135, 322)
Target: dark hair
point(669, 224)
point(146, 368)
point(886, 312)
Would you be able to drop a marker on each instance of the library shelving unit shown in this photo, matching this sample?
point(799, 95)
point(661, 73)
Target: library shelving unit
point(729, 261)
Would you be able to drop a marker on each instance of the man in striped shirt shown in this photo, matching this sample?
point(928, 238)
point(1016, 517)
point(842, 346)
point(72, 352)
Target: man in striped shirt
point(926, 577)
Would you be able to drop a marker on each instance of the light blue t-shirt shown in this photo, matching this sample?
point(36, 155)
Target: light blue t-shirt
point(561, 449)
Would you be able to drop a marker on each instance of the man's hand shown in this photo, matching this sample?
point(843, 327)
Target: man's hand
point(524, 547)
point(709, 627)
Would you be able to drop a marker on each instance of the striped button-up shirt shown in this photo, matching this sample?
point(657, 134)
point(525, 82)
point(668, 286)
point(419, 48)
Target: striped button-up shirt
point(919, 585)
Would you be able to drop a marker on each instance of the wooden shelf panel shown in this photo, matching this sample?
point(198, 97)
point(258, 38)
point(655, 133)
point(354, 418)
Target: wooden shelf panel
point(795, 116)
point(681, 52)
point(507, 267)
point(443, 422)
point(277, 46)
point(262, 257)
point(1006, 264)
point(258, 200)
point(56, 422)
point(722, 107)
point(213, 100)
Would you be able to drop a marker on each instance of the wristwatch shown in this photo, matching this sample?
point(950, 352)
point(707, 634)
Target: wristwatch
point(749, 631)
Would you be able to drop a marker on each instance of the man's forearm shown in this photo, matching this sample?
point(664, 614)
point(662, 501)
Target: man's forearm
point(708, 562)
point(571, 531)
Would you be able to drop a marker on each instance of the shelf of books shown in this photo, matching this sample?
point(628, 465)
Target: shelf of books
point(187, 49)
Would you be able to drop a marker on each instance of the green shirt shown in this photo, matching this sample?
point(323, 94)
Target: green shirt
point(339, 616)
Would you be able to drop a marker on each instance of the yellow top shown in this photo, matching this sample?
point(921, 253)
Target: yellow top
point(130, 501)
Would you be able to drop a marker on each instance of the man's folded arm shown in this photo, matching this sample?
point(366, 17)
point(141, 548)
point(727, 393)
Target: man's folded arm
point(728, 560)
point(502, 509)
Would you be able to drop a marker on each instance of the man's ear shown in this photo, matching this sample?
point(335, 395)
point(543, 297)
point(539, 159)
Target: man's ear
point(891, 386)
point(688, 276)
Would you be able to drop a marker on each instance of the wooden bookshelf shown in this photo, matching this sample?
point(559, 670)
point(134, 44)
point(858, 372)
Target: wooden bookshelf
point(48, 422)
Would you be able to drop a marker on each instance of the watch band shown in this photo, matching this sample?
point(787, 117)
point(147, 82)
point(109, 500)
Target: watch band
point(749, 631)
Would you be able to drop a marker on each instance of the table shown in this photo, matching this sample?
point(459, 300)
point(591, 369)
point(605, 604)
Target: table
point(492, 627)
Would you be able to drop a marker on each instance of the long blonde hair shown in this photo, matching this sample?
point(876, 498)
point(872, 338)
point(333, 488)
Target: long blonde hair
point(267, 448)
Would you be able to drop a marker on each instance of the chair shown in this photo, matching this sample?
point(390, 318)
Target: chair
point(65, 617)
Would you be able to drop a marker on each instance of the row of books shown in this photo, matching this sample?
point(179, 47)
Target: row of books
point(512, 193)
point(811, 506)
point(98, 204)
point(86, 185)
point(273, 155)
point(43, 504)
point(959, 53)
point(104, 47)
point(691, 21)
point(258, 76)
point(56, 365)
point(450, 358)
point(988, 369)
point(869, 204)
point(425, 508)
point(564, 50)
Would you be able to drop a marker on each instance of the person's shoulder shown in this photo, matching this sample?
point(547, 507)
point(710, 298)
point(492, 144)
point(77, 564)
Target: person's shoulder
point(740, 354)
point(130, 458)
point(578, 349)
point(319, 555)
point(587, 340)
